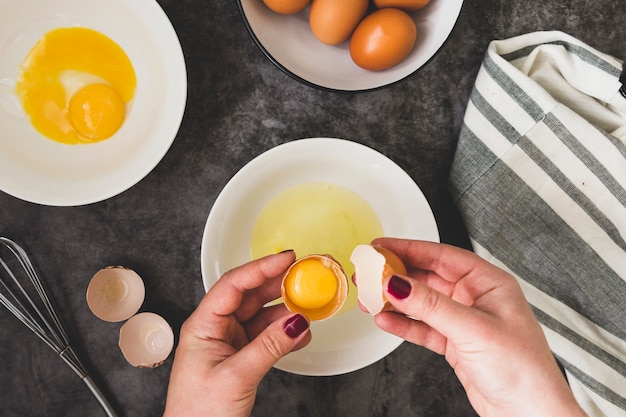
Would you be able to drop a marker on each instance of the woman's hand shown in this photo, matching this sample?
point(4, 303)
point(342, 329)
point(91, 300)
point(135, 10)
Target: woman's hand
point(476, 315)
point(231, 341)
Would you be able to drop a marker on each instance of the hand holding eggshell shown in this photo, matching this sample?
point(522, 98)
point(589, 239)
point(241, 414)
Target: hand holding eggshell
point(231, 340)
point(475, 314)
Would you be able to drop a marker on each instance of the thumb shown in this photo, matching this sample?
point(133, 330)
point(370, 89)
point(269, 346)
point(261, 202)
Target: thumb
point(422, 302)
point(274, 342)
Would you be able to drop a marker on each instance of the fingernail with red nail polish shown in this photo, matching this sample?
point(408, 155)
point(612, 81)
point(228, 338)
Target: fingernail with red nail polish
point(399, 287)
point(295, 326)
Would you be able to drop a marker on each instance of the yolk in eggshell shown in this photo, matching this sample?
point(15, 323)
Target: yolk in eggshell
point(75, 85)
point(311, 285)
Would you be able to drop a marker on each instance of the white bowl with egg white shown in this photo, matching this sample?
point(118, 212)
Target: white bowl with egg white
point(350, 340)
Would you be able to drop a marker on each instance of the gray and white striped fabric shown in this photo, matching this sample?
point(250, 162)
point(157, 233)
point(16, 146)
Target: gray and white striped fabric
point(539, 177)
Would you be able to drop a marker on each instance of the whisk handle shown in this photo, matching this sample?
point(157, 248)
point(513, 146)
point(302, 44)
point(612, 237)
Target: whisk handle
point(99, 396)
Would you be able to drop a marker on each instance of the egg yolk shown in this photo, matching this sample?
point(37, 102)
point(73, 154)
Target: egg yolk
point(310, 284)
point(75, 85)
point(96, 111)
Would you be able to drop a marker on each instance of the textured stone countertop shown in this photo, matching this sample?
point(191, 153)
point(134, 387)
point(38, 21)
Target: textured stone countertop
point(240, 105)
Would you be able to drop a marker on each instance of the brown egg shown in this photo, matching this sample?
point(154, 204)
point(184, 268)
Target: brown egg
point(383, 39)
point(146, 340)
point(333, 21)
point(115, 293)
point(373, 265)
point(315, 286)
point(286, 6)
point(406, 5)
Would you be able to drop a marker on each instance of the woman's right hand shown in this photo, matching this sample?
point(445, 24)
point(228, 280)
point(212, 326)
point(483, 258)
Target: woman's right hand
point(458, 305)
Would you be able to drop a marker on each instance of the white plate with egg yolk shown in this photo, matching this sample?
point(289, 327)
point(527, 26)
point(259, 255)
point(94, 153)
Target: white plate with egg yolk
point(40, 170)
point(350, 340)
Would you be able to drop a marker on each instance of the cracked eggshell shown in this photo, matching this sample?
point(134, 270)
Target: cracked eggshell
point(308, 288)
point(146, 340)
point(115, 293)
point(373, 265)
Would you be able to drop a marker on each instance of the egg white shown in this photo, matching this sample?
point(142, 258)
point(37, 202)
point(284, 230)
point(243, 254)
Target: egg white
point(73, 80)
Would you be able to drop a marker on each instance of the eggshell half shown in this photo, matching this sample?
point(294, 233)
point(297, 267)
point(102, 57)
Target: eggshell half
point(146, 340)
point(333, 306)
point(372, 266)
point(115, 293)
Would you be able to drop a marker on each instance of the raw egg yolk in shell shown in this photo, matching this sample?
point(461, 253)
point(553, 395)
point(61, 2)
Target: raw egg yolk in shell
point(75, 85)
point(311, 285)
point(315, 286)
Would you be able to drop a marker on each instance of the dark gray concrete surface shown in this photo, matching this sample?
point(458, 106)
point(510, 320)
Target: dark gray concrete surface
point(240, 105)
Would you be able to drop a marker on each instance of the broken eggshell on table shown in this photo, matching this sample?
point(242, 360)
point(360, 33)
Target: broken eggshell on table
point(115, 294)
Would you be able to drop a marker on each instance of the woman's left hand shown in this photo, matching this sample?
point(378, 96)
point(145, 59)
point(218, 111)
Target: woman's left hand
point(231, 341)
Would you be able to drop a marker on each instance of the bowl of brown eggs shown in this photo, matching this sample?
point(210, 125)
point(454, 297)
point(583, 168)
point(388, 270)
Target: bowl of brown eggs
point(350, 45)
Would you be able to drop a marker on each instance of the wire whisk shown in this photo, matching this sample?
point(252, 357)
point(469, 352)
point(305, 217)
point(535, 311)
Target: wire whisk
point(38, 314)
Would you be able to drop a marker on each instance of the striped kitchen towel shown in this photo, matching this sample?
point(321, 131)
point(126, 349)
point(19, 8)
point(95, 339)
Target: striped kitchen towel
point(539, 177)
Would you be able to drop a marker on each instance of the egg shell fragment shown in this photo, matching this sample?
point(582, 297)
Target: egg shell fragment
point(337, 300)
point(373, 265)
point(146, 340)
point(115, 293)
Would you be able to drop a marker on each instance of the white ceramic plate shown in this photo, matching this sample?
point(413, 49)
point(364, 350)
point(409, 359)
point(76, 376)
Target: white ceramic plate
point(43, 171)
point(289, 43)
point(349, 341)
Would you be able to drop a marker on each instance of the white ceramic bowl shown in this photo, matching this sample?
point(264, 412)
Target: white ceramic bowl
point(43, 171)
point(289, 43)
point(351, 340)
